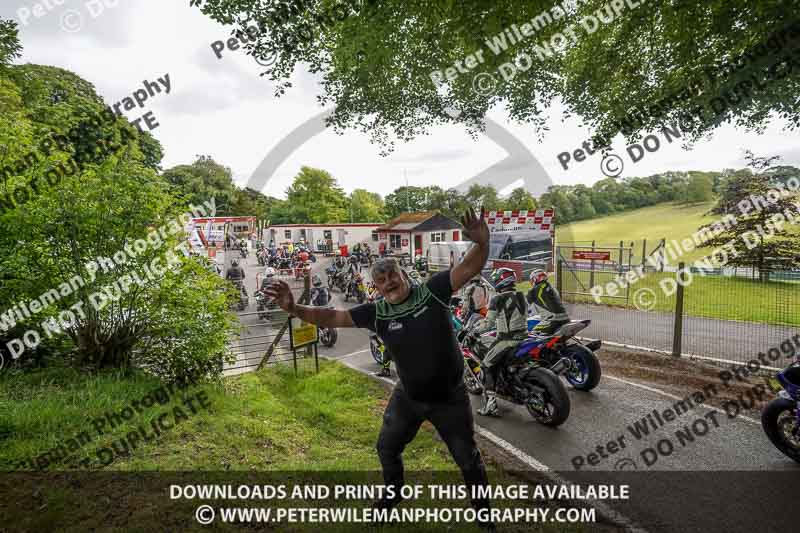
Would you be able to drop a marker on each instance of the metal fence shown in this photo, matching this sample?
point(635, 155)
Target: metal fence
point(264, 338)
point(711, 314)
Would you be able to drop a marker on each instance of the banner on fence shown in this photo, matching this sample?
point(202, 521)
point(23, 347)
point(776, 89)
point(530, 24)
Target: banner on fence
point(522, 235)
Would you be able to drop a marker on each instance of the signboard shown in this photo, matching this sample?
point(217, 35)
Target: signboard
point(522, 235)
point(302, 333)
point(597, 255)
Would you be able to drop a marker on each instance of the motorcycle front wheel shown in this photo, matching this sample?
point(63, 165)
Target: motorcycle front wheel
point(781, 426)
point(328, 336)
point(548, 402)
point(375, 348)
point(584, 375)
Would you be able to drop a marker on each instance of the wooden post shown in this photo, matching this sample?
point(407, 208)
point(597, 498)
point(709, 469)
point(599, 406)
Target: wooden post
point(677, 338)
point(644, 253)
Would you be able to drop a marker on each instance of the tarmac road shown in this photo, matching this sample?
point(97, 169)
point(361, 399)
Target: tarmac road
point(721, 473)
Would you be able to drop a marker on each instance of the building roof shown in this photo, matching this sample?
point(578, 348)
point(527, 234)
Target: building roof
point(421, 221)
point(331, 225)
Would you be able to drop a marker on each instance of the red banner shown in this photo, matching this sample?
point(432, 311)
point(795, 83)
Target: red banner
point(591, 256)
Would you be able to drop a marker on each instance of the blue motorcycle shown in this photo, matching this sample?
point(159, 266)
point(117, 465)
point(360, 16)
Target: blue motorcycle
point(781, 417)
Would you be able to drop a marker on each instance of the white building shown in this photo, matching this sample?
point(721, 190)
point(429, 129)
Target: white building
point(323, 237)
point(413, 232)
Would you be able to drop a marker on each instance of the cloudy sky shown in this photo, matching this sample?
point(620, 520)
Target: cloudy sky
point(222, 107)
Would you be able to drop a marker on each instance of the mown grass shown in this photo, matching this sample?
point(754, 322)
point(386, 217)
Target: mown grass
point(260, 426)
point(724, 298)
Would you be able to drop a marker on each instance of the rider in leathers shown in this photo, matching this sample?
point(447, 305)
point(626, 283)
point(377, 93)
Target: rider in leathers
point(508, 316)
point(548, 303)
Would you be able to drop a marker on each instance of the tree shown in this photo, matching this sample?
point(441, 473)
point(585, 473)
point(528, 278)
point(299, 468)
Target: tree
point(747, 231)
point(10, 47)
point(378, 61)
point(406, 199)
point(92, 194)
point(700, 187)
point(483, 196)
point(204, 179)
point(520, 199)
point(316, 198)
point(366, 206)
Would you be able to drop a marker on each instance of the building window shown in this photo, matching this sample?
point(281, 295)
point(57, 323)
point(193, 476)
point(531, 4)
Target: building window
point(375, 236)
point(438, 237)
point(287, 234)
point(241, 228)
point(394, 241)
point(327, 235)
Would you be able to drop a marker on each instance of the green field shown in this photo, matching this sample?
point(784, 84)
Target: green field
point(663, 221)
point(726, 298)
point(259, 427)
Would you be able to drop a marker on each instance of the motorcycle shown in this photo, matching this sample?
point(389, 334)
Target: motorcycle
point(561, 352)
point(356, 289)
point(244, 299)
point(519, 380)
point(243, 252)
point(781, 417)
point(421, 264)
point(321, 298)
point(331, 272)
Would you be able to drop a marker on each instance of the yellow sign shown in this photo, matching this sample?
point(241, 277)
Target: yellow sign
point(303, 333)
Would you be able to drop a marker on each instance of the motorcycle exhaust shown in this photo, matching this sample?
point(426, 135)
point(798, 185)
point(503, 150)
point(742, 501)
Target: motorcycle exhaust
point(561, 365)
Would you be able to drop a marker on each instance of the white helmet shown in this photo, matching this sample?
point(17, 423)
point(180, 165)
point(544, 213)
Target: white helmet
point(269, 272)
point(338, 253)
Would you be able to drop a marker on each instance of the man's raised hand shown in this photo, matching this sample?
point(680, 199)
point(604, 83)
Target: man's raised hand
point(475, 228)
point(280, 292)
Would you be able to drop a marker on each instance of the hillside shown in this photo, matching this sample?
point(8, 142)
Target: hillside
point(669, 221)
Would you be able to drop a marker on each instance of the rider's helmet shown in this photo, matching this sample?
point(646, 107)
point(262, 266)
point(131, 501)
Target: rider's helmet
point(303, 256)
point(538, 276)
point(338, 253)
point(504, 278)
point(269, 272)
point(316, 280)
point(234, 263)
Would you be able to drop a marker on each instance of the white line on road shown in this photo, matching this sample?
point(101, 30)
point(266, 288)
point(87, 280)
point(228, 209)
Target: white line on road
point(668, 395)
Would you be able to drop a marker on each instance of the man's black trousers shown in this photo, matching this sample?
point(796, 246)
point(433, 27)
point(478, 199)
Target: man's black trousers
point(452, 419)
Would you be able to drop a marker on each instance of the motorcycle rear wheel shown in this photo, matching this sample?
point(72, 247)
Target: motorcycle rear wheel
point(551, 407)
point(780, 424)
